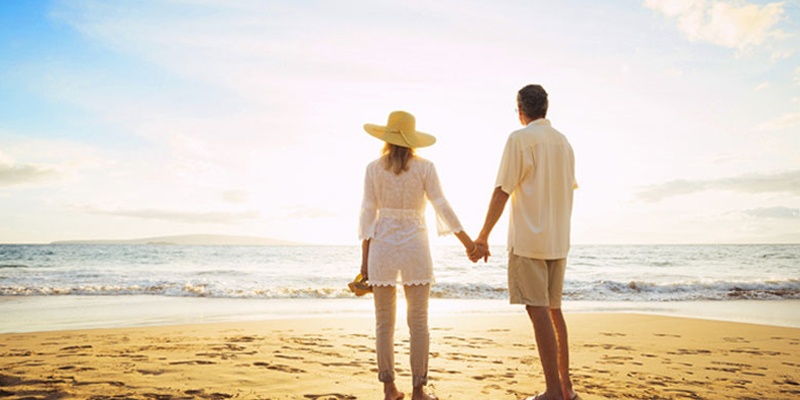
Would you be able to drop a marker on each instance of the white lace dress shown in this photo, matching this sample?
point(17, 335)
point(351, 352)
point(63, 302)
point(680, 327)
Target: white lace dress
point(393, 217)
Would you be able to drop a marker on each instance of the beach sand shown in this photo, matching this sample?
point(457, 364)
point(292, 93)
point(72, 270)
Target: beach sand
point(472, 357)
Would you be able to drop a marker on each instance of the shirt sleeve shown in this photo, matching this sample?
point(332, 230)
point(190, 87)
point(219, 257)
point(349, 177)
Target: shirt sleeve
point(446, 220)
point(511, 167)
point(369, 209)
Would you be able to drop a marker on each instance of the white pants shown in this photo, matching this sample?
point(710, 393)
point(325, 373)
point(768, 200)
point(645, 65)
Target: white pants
point(385, 310)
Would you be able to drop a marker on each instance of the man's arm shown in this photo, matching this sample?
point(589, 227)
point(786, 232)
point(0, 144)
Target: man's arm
point(496, 206)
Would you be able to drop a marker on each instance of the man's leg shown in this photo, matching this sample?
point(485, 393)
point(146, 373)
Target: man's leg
point(563, 351)
point(528, 281)
point(547, 345)
point(556, 270)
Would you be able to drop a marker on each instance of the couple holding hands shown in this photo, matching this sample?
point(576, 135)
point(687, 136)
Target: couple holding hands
point(537, 172)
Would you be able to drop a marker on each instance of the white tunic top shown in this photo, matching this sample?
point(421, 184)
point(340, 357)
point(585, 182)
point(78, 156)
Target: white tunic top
point(393, 217)
point(538, 171)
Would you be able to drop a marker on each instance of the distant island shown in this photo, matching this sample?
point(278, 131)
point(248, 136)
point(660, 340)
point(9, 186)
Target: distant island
point(194, 240)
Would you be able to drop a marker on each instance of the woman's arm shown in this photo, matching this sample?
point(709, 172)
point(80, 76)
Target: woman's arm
point(364, 257)
point(469, 245)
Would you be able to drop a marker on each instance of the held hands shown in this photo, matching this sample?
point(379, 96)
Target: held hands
point(480, 250)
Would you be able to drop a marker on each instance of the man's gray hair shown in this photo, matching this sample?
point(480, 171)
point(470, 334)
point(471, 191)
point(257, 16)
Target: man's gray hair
point(532, 101)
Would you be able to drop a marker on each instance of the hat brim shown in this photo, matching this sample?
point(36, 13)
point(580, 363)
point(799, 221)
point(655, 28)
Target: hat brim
point(417, 139)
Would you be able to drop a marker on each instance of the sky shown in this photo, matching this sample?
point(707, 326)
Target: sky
point(143, 118)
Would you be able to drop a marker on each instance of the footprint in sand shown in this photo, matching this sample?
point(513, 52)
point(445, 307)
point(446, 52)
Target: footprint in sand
point(689, 352)
point(617, 360)
point(791, 364)
point(18, 353)
point(154, 372)
point(241, 339)
point(360, 348)
point(683, 393)
point(330, 396)
point(443, 371)
point(794, 386)
point(288, 357)
point(612, 334)
point(203, 395)
point(757, 352)
point(75, 348)
point(76, 369)
point(355, 364)
point(735, 340)
point(193, 362)
point(508, 375)
point(465, 357)
point(278, 367)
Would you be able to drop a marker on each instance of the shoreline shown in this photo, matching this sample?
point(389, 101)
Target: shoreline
point(613, 356)
point(58, 313)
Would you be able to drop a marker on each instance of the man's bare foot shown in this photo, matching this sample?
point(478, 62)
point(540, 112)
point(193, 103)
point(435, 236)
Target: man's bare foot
point(394, 396)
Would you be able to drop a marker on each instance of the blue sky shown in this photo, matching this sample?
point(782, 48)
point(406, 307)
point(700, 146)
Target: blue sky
point(146, 118)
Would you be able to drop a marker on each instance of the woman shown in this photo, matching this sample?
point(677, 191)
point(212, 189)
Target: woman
point(395, 243)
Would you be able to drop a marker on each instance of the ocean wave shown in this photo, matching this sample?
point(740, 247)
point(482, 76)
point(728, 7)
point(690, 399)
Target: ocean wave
point(178, 290)
point(13, 266)
point(446, 290)
point(591, 291)
point(650, 291)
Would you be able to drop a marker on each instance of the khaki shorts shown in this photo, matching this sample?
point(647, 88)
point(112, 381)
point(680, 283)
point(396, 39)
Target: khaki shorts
point(535, 282)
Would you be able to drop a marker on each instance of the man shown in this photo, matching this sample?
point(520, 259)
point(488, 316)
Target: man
point(537, 172)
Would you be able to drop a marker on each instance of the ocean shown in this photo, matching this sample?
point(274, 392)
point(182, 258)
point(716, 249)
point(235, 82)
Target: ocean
point(76, 286)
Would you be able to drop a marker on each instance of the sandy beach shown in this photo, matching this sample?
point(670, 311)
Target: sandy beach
point(473, 356)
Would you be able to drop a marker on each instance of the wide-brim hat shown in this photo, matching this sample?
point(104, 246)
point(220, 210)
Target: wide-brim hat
point(401, 130)
point(359, 286)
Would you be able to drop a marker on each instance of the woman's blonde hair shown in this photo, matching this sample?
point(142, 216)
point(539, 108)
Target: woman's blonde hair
point(396, 158)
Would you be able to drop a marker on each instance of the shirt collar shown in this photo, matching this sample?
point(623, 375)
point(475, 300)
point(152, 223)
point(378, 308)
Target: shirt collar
point(540, 121)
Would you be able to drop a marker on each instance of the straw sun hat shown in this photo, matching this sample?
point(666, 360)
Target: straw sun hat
point(401, 130)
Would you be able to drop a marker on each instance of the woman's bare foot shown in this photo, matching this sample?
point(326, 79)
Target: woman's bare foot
point(390, 392)
point(419, 394)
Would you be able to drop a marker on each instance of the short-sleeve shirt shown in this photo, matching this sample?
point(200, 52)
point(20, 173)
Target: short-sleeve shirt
point(393, 217)
point(538, 171)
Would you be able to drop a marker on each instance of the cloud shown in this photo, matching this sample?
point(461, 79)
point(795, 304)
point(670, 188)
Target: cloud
point(21, 174)
point(235, 196)
point(310, 212)
point(761, 87)
point(788, 121)
point(782, 182)
point(732, 24)
point(774, 213)
point(209, 217)
point(669, 189)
